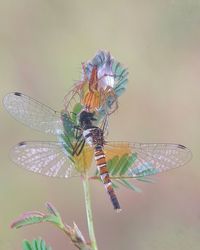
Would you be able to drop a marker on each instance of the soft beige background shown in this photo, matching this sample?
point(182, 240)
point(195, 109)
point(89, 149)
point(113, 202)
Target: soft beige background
point(42, 44)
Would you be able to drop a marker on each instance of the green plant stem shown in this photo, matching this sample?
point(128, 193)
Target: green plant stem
point(89, 212)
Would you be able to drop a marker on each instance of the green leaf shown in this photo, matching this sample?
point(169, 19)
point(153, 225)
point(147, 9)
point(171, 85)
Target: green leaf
point(129, 161)
point(67, 144)
point(120, 91)
point(53, 217)
point(120, 165)
point(111, 164)
point(146, 179)
point(28, 218)
point(122, 78)
point(26, 245)
point(145, 172)
point(33, 217)
point(129, 185)
point(76, 110)
point(35, 245)
point(114, 185)
point(68, 125)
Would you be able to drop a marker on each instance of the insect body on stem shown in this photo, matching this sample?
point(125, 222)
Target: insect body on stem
point(94, 137)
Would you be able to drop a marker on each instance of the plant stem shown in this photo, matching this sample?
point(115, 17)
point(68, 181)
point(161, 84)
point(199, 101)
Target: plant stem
point(89, 212)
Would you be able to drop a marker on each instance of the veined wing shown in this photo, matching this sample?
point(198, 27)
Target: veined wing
point(50, 159)
point(72, 100)
point(143, 159)
point(33, 113)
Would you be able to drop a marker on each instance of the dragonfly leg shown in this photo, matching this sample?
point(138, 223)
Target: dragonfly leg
point(78, 147)
point(77, 132)
point(81, 145)
point(104, 125)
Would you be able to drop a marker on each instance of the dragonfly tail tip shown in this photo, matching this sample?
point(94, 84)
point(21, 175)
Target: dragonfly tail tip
point(118, 210)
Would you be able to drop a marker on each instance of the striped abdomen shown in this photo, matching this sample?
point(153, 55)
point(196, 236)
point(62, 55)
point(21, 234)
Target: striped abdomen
point(103, 171)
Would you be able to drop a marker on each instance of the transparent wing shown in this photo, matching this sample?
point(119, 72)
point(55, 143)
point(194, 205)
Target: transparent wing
point(72, 100)
point(33, 113)
point(143, 159)
point(46, 158)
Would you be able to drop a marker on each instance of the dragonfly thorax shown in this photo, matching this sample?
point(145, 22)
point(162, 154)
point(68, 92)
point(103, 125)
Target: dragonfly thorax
point(94, 137)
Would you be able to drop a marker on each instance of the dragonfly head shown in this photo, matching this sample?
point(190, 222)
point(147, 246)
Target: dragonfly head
point(86, 119)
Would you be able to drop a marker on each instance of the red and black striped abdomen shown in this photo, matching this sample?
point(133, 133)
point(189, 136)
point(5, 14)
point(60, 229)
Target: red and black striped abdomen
point(103, 171)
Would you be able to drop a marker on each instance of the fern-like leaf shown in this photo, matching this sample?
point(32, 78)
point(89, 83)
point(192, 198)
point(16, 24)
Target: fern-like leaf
point(53, 216)
point(129, 185)
point(38, 244)
point(34, 217)
point(28, 218)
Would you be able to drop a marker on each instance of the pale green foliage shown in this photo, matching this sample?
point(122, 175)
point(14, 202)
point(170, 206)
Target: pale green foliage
point(35, 245)
point(53, 216)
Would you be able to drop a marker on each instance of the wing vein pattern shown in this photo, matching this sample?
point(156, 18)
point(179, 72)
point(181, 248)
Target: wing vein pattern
point(33, 113)
point(47, 158)
point(150, 158)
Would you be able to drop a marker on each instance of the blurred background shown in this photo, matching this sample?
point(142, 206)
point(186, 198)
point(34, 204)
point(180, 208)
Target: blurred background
point(42, 45)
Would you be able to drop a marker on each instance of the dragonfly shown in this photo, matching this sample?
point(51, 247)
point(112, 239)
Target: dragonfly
point(80, 141)
point(104, 79)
